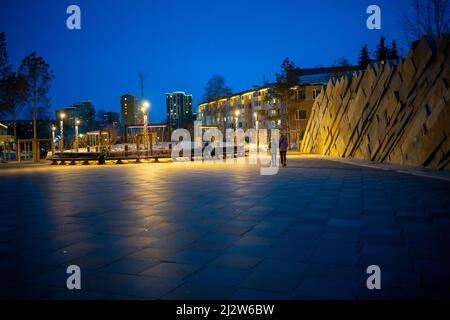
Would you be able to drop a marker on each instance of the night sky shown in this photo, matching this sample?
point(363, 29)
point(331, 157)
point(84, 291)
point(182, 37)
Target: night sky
point(179, 45)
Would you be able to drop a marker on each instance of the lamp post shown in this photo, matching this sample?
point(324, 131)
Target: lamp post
point(256, 127)
point(77, 122)
point(236, 113)
point(144, 109)
point(53, 140)
point(61, 124)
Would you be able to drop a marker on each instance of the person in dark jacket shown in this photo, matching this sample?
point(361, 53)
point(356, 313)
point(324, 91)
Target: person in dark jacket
point(283, 150)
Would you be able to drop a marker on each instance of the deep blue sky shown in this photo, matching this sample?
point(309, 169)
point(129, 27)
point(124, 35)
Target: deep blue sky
point(179, 45)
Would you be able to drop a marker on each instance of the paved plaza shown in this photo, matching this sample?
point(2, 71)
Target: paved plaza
point(187, 231)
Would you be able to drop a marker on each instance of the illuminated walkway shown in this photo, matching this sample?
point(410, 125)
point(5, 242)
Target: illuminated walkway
point(215, 231)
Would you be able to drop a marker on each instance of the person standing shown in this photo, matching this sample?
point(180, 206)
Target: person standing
point(283, 150)
point(273, 152)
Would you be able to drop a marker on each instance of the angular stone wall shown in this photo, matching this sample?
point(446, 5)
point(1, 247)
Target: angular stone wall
point(392, 114)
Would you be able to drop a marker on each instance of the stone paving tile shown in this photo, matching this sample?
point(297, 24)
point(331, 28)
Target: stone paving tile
point(332, 237)
point(171, 270)
point(273, 282)
point(259, 251)
point(94, 262)
point(245, 294)
point(84, 295)
point(235, 261)
point(237, 228)
point(192, 257)
point(398, 279)
point(213, 275)
point(26, 292)
point(379, 235)
point(393, 293)
point(55, 278)
point(195, 291)
point(327, 271)
point(249, 240)
point(426, 251)
point(215, 242)
point(433, 274)
point(304, 231)
point(297, 251)
point(221, 232)
point(285, 267)
point(130, 266)
point(153, 253)
point(328, 288)
point(343, 255)
point(130, 285)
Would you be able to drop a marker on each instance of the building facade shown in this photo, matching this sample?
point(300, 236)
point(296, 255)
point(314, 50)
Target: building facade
point(179, 110)
point(85, 113)
point(258, 109)
point(24, 128)
point(129, 110)
point(6, 142)
point(111, 118)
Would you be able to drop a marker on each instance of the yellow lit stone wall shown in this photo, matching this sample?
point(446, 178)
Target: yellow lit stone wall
point(390, 114)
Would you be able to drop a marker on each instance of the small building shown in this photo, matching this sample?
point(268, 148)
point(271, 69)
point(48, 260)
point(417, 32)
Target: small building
point(6, 143)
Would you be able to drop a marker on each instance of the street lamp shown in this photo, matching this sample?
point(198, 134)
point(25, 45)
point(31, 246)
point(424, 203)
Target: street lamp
point(53, 140)
point(61, 140)
point(144, 108)
point(236, 113)
point(77, 122)
point(256, 127)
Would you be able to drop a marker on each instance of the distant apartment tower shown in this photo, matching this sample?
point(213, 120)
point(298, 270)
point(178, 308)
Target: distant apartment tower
point(179, 110)
point(85, 113)
point(82, 111)
point(129, 109)
point(111, 118)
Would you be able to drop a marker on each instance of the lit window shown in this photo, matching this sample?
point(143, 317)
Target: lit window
point(300, 115)
point(316, 93)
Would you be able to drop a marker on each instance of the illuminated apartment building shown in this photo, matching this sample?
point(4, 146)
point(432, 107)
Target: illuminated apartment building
point(256, 108)
point(179, 110)
point(129, 110)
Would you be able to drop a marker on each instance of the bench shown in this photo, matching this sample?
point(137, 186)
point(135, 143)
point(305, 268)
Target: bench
point(85, 160)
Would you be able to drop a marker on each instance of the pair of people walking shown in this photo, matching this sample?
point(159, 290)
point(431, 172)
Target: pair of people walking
point(282, 147)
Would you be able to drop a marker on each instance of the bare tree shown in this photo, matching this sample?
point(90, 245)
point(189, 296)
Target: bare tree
point(428, 17)
point(216, 88)
point(38, 75)
point(282, 90)
point(340, 67)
